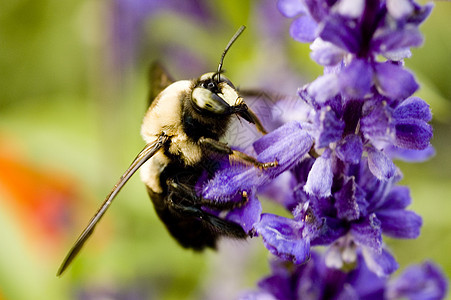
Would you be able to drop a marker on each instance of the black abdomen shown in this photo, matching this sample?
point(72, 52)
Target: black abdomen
point(179, 209)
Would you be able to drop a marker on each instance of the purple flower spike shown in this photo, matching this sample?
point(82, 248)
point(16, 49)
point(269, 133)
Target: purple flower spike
point(314, 280)
point(343, 194)
point(283, 238)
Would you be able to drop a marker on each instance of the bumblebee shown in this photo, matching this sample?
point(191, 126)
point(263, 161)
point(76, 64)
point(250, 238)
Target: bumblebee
point(182, 128)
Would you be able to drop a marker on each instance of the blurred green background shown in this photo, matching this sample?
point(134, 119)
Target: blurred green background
point(73, 86)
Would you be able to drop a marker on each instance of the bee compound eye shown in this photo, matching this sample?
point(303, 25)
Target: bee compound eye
point(205, 99)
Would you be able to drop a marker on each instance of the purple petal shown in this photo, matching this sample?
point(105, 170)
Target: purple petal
point(303, 29)
point(301, 170)
point(413, 134)
point(350, 149)
point(399, 8)
point(319, 180)
point(229, 182)
point(319, 228)
point(350, 8)
point(342, 32)
point(392, 40)
point(356, 79)
point(279, 287)
point(347, 200)
point(248, 215)
point(380, 165)
point(331, 230)
point(420, 13)
point(376, 123)
point(283, 238)
point(286, 145)
point(394, 81)
point(279, 283)
point(330, 127)
point(325, 53)
point(425, 281)
point(367, 284)
point(413, 108)
point(398, 198)
point(383, 263)
point(398, 223)
point(318, 10)
point(411, 155)
point(291, 8)
point(324, 87)
point(348, 293)
point(367, 233)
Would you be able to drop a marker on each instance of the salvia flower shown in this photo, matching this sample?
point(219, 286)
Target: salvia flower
point(335, 172)
point(315, 280)
point(360, 210)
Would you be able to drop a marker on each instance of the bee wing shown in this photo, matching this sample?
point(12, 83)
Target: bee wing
point(159, 79)
point(148, 151)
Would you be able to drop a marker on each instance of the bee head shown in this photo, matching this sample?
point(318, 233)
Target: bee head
point(216, 95)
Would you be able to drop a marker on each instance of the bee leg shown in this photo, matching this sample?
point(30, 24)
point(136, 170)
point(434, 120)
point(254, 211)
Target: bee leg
point(234, 155)
point(242, 157)
point(215, 146)
point(189, 197)
point(183, 201)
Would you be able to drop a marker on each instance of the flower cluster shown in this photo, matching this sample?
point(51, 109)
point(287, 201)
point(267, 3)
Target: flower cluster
point(314, 280)
point(339, 179)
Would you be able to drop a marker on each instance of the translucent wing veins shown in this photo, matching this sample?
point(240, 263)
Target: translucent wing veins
point(148, 151)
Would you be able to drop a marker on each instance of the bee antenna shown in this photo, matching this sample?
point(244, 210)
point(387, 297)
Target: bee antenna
point(232, 40)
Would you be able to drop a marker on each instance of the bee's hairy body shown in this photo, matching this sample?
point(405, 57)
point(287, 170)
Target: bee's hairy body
point(172, 114)
point(182, 160)
point(182, 128)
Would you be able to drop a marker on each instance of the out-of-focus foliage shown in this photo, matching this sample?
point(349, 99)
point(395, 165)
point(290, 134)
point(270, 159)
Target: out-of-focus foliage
point(72, 94)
